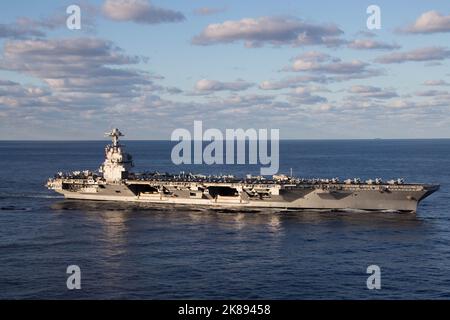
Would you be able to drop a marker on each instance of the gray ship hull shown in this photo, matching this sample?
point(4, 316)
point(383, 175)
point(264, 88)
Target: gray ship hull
point(323, 197)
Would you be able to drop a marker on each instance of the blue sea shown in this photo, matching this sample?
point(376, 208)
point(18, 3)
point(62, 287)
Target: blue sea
point(167, 252)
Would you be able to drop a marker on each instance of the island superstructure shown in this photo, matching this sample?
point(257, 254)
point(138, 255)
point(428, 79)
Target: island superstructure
point(115, 181)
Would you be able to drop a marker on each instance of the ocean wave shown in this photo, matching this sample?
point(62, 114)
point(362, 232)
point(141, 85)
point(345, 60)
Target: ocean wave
point(30, 196)
point(14, 208)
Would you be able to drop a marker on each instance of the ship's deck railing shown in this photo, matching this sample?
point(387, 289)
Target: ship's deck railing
point(329, 186)
point(88, 178)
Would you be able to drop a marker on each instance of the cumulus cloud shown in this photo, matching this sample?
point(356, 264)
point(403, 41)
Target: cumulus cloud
point(205, 85)
point(431, 93)
point(7, 83)
point(373, 92)
point(19, 31)
point(436, 83)
point(317, 62)
point(247, 100)
point(304, 95)
point(361, 44)
point(421, 54)
point(321, 68)
point(270, 30)
point(339, 67)
point(139, 11)
point(29, 28)
point(206, 11)
point(429, 22)
point(58, 19)
point(57, 58)
point(292, 82)
point(14, 88)
point(403, 104)
point(13, 94)
point(392, 107)
point(92, 79)
point(80, 72)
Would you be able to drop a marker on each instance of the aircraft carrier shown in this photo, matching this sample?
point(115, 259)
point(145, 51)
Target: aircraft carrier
point(115, 181)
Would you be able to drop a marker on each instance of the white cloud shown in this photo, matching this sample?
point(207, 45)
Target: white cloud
point(269, 30)
point(19, 31)
point(429, 22)
point(373, 92)
point(205, 85)
point(321, 63)
point(361, 44)
point(292, 82)
point(321, 68)
point(13, 94)
point(436, 83)
point(421, 54)
point(431, 93)
point(139, 11)
point(29, 28)
point(304, 95)
point(401, 103)
point(76, 73)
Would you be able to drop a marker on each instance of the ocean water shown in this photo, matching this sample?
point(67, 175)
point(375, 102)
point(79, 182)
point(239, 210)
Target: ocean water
point(168, 252)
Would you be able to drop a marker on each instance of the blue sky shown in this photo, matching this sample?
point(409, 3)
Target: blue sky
point(309, 68)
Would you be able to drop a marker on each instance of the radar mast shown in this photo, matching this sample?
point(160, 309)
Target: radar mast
point(117, 164)
point(115, 134)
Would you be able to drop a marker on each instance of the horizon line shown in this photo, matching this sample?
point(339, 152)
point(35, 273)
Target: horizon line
point(168, 140)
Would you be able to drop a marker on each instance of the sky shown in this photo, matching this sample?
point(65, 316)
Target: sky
point(312, 69)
